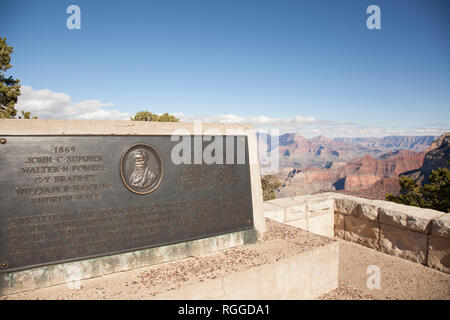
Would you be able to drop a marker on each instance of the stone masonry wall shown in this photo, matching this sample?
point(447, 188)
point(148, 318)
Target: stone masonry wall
point(416, 234)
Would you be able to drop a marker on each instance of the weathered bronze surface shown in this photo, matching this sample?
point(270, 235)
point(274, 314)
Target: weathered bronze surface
point(65, 198)
point(141, 169)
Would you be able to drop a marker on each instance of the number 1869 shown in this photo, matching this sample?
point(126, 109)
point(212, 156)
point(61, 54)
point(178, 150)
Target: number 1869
point(63, 149)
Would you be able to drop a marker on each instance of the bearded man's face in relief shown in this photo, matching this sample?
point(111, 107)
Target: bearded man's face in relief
point(142, 176)
point(140, 162)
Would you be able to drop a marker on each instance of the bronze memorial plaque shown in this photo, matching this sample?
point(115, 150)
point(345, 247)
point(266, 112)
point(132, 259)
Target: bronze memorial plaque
point(65, 198)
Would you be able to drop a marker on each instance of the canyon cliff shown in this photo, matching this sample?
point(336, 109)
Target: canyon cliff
point(436, 156)
point(357, 174)
point(296, 151)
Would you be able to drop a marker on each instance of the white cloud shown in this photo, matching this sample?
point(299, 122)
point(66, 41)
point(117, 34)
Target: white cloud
point(47, 104)
point(310, 126)
point(51, 105)
point(260, 121)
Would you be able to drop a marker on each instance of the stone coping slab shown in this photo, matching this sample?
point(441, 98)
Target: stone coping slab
point(406, 217)
point(397, 215)
point(440, 227)
point(113, 127)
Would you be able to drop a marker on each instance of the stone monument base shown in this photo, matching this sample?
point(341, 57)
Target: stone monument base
point(289, 263)
point(66, 273)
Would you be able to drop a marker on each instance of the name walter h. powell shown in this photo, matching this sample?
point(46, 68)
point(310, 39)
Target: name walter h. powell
point(142, 176)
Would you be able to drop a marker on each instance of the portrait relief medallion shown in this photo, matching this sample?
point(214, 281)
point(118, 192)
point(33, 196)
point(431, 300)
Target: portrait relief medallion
point(141, 168)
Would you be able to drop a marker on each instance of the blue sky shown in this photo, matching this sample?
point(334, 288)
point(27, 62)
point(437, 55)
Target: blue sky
point(307, 66)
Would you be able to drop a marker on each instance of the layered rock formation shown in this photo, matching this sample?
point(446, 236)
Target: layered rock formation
point(411, 143)
point(436, 157)
point(369, 176)
point(359, 174)
point(296, 151)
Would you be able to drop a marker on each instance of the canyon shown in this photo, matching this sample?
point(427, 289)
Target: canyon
point(296, 151)
point(365, 167)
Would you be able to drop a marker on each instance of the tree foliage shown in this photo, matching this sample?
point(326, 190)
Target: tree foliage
point(148, 116)
point(9, 87)
point(269, 185)
point(434, 195)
